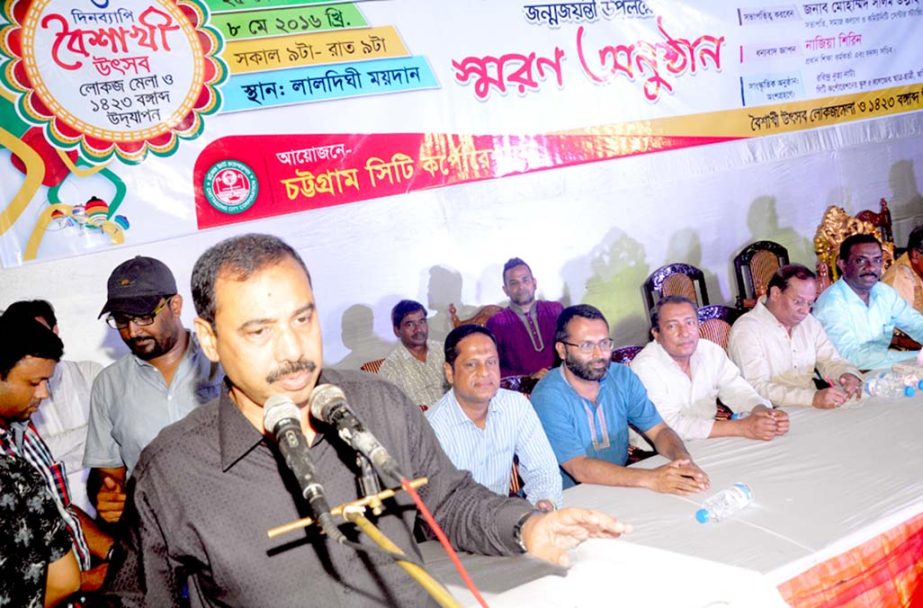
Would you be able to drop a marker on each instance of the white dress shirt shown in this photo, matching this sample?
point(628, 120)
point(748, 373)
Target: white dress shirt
point(688, 405)
point(781, 366)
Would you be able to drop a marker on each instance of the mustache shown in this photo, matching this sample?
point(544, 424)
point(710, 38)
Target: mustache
point(290, 367)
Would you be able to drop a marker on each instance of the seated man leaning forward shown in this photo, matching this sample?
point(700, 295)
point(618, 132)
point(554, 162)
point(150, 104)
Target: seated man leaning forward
point(481, 426)
point(586, 405)
point(860, 313)
point(684, 376)
point(415, 365)
point(778, 344)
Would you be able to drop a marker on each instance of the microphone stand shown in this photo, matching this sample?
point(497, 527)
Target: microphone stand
point(368, 483)
point(353, 512)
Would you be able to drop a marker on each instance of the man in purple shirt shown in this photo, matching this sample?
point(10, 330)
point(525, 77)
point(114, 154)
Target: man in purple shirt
point(525, 329)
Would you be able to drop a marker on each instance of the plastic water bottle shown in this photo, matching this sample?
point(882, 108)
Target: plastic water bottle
point(725, 503)
point(912, 374)
point(889, 385)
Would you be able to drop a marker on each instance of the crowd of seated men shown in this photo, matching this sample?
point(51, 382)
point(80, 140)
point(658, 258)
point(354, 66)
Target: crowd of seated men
point(71, 433)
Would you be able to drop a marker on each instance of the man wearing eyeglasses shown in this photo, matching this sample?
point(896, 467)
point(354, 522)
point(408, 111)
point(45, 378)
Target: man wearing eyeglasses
point(778, 345)
point(586, 405)
point(684, 376)
point(164, 378)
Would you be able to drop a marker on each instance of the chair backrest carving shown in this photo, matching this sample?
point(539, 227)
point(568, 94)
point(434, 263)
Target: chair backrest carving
point(675, 279)
point(834, 227)
point(373, 366)
point(754, 267)
point(881, 220)
point(625, 354)
point(715, 323)
point(480, 317)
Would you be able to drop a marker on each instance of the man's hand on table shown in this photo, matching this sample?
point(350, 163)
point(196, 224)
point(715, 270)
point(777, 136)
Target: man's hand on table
point(549, 536)
point(681, 476)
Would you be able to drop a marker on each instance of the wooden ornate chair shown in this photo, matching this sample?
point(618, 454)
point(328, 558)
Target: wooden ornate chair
point(715, 323)
point(675, 280)
point(881, 220)
point(480, 317)
point(834, 227)
point(625, 354)
point(522, 384)
point(372, 366)
point(754, 267)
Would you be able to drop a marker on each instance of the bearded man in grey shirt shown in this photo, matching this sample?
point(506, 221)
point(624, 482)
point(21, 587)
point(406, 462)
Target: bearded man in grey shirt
point(207, 489)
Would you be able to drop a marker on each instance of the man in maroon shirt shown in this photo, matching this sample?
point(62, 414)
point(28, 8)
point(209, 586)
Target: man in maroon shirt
point(525, 329)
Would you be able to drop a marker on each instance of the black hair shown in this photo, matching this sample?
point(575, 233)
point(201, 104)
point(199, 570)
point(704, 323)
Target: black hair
point(404, 308)
point(856, 239)
point(32, 309)
point(460, 333)
point(584, 311)
point(513, 263)
point(239, 257)
point(21, 338)
point(782, 276)
point(915, 242)
point(672, 299)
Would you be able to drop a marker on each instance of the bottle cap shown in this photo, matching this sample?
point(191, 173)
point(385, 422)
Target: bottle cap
point(702, 516)
point(908, 391)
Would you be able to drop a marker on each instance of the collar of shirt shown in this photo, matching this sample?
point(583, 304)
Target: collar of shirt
point(853, 298)
point(192, 350)
point(523, 315)
point(236, 436)
point(404, 353)
point(602, 382)
point(457, 415)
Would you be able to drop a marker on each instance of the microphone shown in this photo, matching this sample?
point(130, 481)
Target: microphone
point(328, 404)
point(282, 419)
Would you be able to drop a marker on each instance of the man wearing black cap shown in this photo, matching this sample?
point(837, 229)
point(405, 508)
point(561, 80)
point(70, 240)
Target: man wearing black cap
point(164, 378)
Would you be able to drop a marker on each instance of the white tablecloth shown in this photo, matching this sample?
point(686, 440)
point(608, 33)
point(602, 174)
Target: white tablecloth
point(839, 478)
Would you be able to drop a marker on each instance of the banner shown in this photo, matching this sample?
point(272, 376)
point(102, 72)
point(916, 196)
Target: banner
point(133, 121)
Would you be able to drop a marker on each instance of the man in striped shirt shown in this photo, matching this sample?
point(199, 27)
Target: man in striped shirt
point(28, 355)
point(481, 426)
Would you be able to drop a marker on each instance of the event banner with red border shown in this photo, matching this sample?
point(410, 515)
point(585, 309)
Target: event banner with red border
point(242, 178)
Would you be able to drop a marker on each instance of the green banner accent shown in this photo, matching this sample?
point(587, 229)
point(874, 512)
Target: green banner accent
point(223, 6)
point(285, 21)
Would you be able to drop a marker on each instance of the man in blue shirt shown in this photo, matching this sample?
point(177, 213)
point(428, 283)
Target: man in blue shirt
point(586, 405)
point(859, 313)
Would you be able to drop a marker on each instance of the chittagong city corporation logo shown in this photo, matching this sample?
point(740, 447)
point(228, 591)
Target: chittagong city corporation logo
point(231, 186)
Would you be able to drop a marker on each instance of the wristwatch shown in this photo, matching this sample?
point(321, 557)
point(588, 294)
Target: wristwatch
point(517, 529)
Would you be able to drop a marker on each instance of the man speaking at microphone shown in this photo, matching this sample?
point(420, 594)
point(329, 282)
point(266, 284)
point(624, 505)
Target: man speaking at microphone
point(208, 488)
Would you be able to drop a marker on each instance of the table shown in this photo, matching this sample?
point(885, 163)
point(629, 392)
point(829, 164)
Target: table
point(837, 515)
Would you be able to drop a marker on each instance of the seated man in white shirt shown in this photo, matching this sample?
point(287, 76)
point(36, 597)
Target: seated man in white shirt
point(778, 344)
point(481, 426)
point(684, 376)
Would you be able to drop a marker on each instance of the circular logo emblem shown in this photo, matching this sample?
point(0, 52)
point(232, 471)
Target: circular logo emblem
point(230, 186)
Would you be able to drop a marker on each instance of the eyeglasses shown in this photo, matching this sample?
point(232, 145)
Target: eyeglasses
point(604, 345)
point(120, 321)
